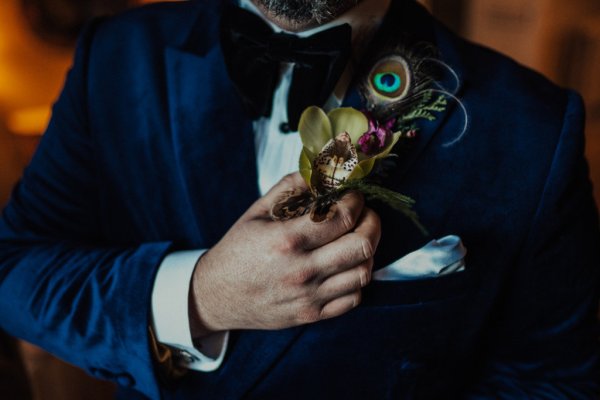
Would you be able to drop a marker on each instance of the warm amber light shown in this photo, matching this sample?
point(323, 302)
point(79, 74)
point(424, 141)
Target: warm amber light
point(28, 121)
point(31, 71)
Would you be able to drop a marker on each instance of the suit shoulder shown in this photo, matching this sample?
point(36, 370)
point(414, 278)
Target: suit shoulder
point(513, 98)
point(504, 83)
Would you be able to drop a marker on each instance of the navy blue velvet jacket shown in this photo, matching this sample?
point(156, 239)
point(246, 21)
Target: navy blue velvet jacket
point(149, 151)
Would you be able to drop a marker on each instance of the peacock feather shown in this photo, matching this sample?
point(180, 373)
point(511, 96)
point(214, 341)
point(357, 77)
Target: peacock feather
point(399, 83)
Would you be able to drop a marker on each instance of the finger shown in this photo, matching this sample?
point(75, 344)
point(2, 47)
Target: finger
point(262, 207)
point(341, 305)
point(345, 283)
point(288, 182)
point(313, 235)
point(350, 250)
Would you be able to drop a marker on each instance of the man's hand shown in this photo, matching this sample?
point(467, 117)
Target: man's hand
point(272, 275)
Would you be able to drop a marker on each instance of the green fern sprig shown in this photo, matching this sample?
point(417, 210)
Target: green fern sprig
point(418, 114)
point(395, 200)
point(426, 97)
point(439, 105)
point(426, 108)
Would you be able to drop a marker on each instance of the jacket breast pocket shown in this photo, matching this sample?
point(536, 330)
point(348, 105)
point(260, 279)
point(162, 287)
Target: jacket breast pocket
point(419, 291)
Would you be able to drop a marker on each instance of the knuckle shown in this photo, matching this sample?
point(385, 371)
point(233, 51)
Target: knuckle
point(365, 275)
point(373, 215)
point(372, 218)
point(290, 243)
point(324, 313)
point(356, 298)
point(368, 249)
point(347, 220)
point(302, 277)
point(289, 179)
point(355, 196)
point(370, 264)
point(309, 314)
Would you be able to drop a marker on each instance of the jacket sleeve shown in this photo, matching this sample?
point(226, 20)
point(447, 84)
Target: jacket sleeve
point(545, 342)
point(61, 286)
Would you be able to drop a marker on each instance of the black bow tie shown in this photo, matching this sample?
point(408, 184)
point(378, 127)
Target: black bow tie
point(254, 55)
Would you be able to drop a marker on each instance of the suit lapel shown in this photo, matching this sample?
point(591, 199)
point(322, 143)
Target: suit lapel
point(212, 139)
point(213, 143)
point(417, 27)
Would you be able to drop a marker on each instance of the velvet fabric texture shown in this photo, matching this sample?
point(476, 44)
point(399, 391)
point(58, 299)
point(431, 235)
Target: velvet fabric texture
point(149, 151)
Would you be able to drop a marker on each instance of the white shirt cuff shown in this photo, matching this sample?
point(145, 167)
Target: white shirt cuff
point(170, 314)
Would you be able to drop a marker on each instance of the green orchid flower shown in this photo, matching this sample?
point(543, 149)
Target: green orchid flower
point(329, 156)
point(340, 149)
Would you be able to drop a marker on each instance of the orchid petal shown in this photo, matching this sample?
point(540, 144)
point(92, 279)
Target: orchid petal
point(306, 167)
point(365, 166)
point(315, 130)
point(335, 162)
point(349, 120)
point(361, 170)
point(388, 149)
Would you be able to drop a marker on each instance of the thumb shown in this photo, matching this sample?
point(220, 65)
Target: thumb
point(262, 207)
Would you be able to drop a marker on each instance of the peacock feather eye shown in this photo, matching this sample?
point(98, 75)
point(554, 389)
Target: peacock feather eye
point(390, 79)
point(387, 82)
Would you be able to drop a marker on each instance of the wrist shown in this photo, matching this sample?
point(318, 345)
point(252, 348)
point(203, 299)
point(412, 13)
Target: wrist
point(199, 303)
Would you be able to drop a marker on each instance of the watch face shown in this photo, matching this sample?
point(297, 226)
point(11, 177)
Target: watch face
point(60, 21)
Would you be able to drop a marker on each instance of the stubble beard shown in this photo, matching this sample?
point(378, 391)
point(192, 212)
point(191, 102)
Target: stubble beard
point(306, 12)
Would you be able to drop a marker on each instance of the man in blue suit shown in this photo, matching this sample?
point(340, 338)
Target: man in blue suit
point(155, 150)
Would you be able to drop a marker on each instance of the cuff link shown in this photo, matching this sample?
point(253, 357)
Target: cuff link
point(186, 357)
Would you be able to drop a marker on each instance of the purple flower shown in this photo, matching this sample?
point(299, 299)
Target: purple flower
point(374, 140)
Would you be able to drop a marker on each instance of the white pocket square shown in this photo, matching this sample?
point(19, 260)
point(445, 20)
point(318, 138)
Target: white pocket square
point(438, 257)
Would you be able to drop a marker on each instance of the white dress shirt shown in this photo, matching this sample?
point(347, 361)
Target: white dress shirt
point(277, 155)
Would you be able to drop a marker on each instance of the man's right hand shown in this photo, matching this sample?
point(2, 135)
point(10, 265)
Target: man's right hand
point(266, 274)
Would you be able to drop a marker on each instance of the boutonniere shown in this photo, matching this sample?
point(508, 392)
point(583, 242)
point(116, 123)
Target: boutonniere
point(344, 148)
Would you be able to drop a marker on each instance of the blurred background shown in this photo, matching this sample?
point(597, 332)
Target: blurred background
point(561, 39)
